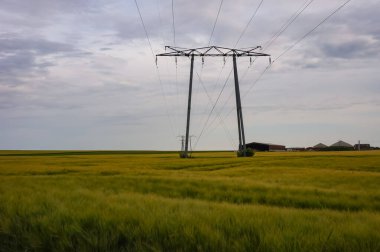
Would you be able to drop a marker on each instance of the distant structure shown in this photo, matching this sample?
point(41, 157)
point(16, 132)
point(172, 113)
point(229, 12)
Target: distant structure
point(360, 147)
point(341, 144)
point(265, 147)
point(320, 146)
point(296, 149)
point(338, 146)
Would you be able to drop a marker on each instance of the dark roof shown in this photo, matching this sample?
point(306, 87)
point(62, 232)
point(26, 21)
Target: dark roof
point(341, 144)
point(266, 144)
point(320, 145)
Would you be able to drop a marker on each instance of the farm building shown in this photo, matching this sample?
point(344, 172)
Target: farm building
point(362, 147)
point(318, 147)
point(340, 145)
point(296, 149)
point(265, 147)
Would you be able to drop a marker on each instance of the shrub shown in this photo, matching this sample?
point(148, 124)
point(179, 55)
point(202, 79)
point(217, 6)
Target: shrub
point(248, 153)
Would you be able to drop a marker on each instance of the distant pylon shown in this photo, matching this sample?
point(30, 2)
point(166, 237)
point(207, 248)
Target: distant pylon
point(182, 142)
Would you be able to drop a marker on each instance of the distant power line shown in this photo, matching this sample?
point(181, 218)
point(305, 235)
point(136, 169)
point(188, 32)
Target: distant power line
point(212, 109)
point(312, 30)
point(216, 20)
point(288, 49)
point(249, 22)
point(146, 32)
point(157, 70)
point(282, 29)
point(296, 43)
point(238, 40)
point(290, 21)
point(173, 23)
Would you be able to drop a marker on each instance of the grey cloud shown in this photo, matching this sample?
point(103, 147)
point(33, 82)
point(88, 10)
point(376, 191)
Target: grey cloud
point(40, 46)
point(10, 64)
point(351, 49)
point(49, 7)
point(362, 19)
point(20, 57)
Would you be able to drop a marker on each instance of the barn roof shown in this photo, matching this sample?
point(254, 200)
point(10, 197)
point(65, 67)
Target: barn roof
point(320, 145)
point(341, 144)
point(266, 143)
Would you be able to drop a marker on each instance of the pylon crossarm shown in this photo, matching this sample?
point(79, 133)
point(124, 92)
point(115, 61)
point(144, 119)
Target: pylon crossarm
point(213, 51)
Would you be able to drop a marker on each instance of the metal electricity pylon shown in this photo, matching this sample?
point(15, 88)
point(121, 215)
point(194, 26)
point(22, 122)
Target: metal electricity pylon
point(214, 51)
point(182, 142)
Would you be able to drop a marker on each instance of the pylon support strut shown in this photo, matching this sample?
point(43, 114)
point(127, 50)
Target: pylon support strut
point(239, 112)
point(186, 153)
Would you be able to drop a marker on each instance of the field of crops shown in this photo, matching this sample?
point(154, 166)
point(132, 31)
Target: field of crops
point(131, 201)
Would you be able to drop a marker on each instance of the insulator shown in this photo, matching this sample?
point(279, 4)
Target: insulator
point(203, 60)
point(156, 61)
point(175, 59)
point(224, 60)
point(270, 60)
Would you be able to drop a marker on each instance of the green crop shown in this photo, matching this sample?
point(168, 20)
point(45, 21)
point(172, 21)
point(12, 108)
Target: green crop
point(155, 201)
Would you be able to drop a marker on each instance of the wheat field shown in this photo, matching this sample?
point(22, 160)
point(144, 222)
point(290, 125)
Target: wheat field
point(154, 201)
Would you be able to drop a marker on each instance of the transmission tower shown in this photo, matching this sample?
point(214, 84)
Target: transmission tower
point(214, 51)
point(182, 142)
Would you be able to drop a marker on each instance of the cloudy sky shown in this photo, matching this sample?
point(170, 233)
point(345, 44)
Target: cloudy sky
point(79, 74)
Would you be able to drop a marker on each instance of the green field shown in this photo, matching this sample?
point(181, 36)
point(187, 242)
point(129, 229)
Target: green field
point(135, 201)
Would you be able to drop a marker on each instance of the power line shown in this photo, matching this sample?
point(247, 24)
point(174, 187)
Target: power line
point(312, 30)
point(241, 35)
point(174, 42)
point(146, 33)
point(157, 70)
point(245, 94)
point(225, 103)
point(209, 42)
point(249, 22)
point(212, 109)
point(173, 23)
point(291, 47)
point(283, 28)
point(290, 21)
point(220, 111)
point(216, 20)
point(294, 44)
point(212, 89)
point(257, 80)
point(220, 118)
point(175, 116)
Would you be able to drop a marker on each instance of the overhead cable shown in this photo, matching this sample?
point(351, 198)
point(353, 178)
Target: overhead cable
point(249, 22)
point(216, 20)
point(157, 70)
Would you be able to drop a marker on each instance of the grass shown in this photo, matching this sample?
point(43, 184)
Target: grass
point(149, 201)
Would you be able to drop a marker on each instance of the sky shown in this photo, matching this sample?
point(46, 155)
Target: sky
point(80, 74)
